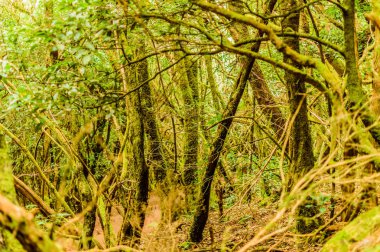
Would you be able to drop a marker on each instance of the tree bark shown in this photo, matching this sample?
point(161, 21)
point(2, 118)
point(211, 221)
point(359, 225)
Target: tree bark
point(301, 150)
point(156, 160)
point(139, 169)
point(266, 100)
point(190, 96)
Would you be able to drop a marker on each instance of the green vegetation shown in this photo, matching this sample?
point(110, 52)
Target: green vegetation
point(203, 125)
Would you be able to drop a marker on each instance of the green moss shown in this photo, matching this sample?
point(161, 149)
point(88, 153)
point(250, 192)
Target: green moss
point(8, 190)
point(6, 180)
point(354, 232)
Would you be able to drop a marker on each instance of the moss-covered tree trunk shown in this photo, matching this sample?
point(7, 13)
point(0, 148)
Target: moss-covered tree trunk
point(370, 190)
point(137, 167)
point(356, 97)
point(374, 17)
point(190, 96)
point(156, 156)
point(359, 235)
point(261, 91)
point(90, 216)
point(7, 189)
point(201, 214)
point(301, 149)
point(90, 173)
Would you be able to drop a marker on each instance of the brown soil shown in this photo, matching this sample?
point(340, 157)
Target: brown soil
point(152, 219)
point(116, 220)
point(230, 232)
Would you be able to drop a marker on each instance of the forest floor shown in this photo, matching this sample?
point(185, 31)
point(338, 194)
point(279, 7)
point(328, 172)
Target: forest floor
point(236, 227)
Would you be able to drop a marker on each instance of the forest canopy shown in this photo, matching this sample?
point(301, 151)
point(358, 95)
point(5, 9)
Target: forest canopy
point(200, 125)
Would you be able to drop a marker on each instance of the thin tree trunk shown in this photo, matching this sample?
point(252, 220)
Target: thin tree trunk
point(259, 86)
point(216, 97)
point(189, 90)
point(375, 103)
point(89, 217)
point(202, 207)
point(201, 214)
point(356, 97)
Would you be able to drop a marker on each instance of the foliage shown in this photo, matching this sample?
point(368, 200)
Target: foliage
point(267, 117)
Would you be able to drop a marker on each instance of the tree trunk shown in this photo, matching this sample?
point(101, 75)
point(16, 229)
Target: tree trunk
point(94, 152)
point(156, 160)
point(301, 150)
point(139, 169)
point(190, 96)
point(266, 101)
point(356, 97)
point(134, 160)
point(358, 232)
point(89, 217)
point(202, 207)
point(259, 86)
point(376, 58)
point(216, 97)
point(201, 214)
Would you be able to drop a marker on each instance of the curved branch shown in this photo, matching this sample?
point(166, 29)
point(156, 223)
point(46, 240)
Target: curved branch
point(281, 46)
point(326, 43)
point(317, 84)
point(296, 9)
point(32, 196)
point(299, 35)
point(226, 45)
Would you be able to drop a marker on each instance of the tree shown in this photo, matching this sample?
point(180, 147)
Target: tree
point(246, 113)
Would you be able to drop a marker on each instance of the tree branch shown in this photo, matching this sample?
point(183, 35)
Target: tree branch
point(18, 221)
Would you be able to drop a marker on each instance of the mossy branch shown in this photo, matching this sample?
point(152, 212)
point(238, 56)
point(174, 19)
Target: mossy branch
point(20, 223)
point(280, 45)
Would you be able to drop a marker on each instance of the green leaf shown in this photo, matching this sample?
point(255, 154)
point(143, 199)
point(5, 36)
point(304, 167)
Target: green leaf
point(86, 59)
point(89, 45)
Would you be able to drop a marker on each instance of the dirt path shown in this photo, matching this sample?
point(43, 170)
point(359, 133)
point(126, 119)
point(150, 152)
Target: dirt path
point(152, 219)
point(153, 215)
point(116, 220)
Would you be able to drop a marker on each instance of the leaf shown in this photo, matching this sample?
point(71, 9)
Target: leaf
point(86, 59)
point(185, 245)
point(89, 45)
point(77, 36)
